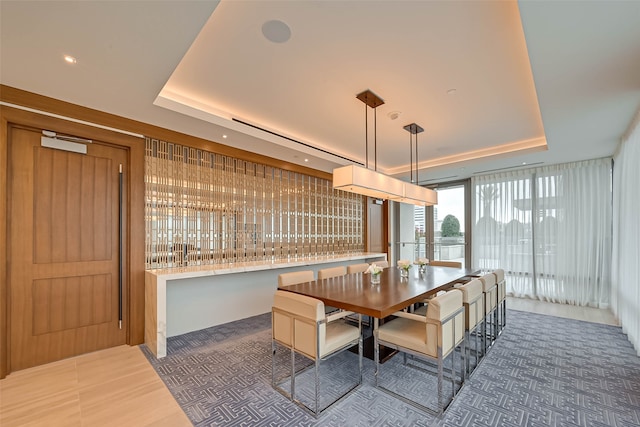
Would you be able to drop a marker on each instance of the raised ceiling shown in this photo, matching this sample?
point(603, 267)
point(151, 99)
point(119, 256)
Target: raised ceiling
point(534, 82)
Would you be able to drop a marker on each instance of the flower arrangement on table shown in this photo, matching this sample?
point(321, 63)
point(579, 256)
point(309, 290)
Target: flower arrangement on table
point(404, 266)
point(421, 263)
point(375, 271)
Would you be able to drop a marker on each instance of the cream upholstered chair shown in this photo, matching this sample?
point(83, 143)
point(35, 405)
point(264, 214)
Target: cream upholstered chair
point(328, 273)
point(300, 324)
point(473, 302)
point(490, 290)
point(457, 284)
point(288, 279)
point(357, 268)
point(502, 299)
point(432, 337)
point(453, 264)
point(383, 264)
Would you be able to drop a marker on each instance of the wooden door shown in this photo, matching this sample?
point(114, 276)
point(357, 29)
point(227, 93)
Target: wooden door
point(64, 252)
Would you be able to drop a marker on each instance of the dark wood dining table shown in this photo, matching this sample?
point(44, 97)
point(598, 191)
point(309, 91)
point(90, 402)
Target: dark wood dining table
point(354, 292)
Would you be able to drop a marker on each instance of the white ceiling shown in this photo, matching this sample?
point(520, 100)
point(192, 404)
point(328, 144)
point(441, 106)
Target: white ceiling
point(564, 73)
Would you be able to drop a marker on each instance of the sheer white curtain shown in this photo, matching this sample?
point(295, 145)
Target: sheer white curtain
point(625, 292)
point(549, 228)
point(502, 229)
point(573, 260)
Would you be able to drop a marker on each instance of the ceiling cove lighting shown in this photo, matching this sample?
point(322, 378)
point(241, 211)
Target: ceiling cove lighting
point(362, 180)
point(412, 193)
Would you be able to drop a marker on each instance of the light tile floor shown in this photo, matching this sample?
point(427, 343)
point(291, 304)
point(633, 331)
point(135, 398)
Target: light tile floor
point(113, 387)
point(588, 314)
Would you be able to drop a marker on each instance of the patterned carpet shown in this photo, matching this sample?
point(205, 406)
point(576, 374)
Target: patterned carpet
point(543, 371)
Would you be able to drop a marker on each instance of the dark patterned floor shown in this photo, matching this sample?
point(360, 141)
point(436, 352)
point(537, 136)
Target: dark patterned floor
point(542, 371)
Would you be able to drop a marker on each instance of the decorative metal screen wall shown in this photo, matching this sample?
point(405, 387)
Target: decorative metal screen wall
point(206, 208)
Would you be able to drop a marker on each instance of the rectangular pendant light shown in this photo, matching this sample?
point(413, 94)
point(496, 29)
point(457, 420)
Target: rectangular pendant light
point(357, 179)
point(417, 195)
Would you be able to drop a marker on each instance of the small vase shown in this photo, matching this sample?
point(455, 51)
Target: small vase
point(422, 269)
point(404, 272)
point(375, 279)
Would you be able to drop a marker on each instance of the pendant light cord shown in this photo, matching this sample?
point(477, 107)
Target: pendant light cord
point(417, 180)
point(375, 139)
point(411, 152)
point(366, 135)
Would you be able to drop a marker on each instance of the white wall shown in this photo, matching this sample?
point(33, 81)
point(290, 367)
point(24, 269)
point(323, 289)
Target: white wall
point(202, 302)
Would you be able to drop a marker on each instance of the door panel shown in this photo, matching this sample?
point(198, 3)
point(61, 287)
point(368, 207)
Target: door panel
point(63, 250)
point(64, 303)
point(63, 182)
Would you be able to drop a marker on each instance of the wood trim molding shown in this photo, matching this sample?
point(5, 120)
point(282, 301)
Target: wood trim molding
point(135, 251)
point(4, 269)
point(39, 102)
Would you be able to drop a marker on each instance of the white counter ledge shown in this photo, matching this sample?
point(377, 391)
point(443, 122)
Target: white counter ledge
point(184, 299)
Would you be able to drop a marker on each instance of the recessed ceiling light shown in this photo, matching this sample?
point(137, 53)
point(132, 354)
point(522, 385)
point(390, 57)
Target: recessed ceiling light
point(394, 115)
point(276, 31)
point(70, 59)
point(452, 91)
point(524, 163)
point(224, 136)
point(306, 160)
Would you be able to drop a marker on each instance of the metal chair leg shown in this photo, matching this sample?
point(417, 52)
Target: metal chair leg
point(440, 379)
point(317, 386)
point(293, 374)
point(273, 363)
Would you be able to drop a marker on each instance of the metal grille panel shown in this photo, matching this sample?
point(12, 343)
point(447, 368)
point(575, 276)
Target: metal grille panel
point(205, 208)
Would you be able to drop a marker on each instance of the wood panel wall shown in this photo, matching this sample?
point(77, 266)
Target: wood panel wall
point(136, 227)
point(4, 313)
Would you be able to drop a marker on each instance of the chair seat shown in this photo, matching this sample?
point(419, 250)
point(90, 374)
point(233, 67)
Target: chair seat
point(406, 333)
point(422, 311)
point(338, 335)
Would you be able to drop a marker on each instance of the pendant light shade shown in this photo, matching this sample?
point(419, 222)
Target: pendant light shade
point(357, 179)
point(418, 195)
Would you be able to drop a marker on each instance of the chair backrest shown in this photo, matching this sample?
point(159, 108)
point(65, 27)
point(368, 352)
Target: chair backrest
point(450, 332)
point(502, 286)
point(327, 273)
point(472, 300)
point(383, 264)
point(490, 291)
point(453, 264)
point(294, 319)
point(288, 279)
point(357, 268)
point(499, 273)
